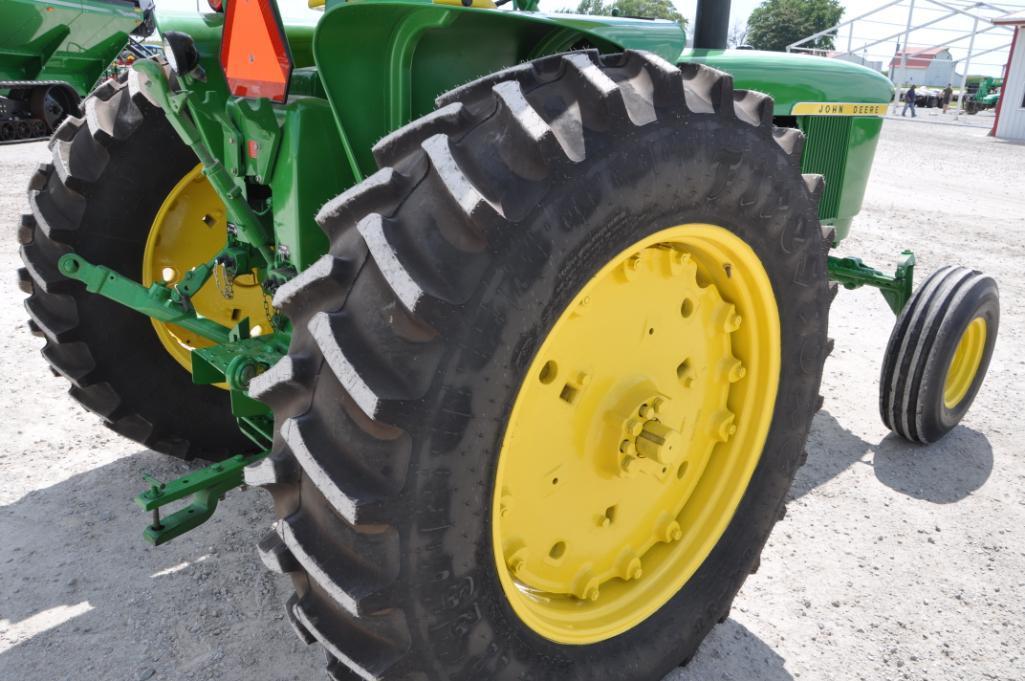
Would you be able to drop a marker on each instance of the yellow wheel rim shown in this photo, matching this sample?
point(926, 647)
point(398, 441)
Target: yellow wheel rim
point(965, 364)
point(191, 228)
point(635, 433)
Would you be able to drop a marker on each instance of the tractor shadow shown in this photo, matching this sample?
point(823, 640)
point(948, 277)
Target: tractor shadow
point(82, 596)
point(944, 472)
point(733, 653)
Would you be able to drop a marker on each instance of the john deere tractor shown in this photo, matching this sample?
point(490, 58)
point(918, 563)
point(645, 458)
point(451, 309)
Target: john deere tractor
point(519, 317)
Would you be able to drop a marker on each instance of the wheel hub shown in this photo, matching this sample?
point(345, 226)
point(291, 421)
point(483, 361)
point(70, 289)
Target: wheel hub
point(965, 364)
point(189, 229)
point(617, 474)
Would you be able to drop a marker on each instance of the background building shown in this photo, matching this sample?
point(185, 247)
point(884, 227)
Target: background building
point(933, 66)
point(1010, 123)
point(856, 59)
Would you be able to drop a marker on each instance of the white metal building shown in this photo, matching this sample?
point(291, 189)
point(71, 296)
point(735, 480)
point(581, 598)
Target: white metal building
point(933, 67)
point(1010, 122)
point(876, 66)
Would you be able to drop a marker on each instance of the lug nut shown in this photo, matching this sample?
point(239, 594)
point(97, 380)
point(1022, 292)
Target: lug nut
point(667, 529)
point(518, 560)
point(724, 427)
point(659, 405)
point(734, 370)
point(629, 566)
point(586, 588)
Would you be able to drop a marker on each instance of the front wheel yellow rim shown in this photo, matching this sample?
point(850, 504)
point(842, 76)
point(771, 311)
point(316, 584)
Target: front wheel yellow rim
point(965, 364)
point(635, 433)
point(189, 229)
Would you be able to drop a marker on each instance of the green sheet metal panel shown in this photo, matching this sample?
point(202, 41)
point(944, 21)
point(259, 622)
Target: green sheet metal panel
point(67, 40)
point(793, 78)
point(383, 63)
point(841, 149)
point(826, 154)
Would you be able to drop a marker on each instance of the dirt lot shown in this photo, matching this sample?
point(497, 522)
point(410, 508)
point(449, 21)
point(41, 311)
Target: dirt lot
point(895, 562)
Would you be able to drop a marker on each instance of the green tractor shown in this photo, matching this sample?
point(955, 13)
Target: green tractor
point(53, 53)
point(519, 317)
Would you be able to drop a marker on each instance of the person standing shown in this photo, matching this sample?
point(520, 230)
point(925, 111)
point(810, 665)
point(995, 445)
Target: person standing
point(948, 93)
point(910, 101)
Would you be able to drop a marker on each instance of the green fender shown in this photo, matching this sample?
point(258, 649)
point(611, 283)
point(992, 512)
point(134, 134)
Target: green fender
point(383, 63)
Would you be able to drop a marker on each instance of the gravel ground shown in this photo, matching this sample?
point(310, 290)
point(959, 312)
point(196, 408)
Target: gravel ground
point(894, 562)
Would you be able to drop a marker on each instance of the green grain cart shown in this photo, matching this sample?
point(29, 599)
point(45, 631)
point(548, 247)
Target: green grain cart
point(519, 317)
point(52, 54)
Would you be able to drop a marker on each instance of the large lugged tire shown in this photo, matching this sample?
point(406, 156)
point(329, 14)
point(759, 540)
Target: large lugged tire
point(110, 173)
point(938, 353)
point(419, 331)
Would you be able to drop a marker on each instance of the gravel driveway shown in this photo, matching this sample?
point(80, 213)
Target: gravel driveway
point(894, 562)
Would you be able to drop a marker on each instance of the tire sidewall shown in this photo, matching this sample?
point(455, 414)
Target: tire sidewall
point(980, 300)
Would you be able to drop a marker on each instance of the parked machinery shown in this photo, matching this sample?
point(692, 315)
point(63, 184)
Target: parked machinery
point(984, 96)
point(51, 55)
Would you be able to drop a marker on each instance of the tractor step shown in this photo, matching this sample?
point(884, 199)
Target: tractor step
point(206, 487)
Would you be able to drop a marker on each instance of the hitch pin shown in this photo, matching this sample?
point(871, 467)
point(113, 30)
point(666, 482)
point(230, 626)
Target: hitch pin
point(154, 492)
point(156, 520)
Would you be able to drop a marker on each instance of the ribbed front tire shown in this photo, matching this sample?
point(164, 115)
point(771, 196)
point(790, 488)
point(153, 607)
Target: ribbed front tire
point(921, 352)
point(413, 334)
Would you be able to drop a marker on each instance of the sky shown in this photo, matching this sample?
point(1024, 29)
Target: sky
point(878, 26)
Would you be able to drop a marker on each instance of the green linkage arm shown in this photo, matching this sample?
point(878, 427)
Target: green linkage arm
point(157, 301)
point(250, 227)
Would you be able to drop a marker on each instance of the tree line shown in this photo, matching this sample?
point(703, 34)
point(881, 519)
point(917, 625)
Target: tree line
point(772, 26)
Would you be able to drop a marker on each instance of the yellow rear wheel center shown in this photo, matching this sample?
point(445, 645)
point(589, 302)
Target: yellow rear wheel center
point(190, 229)
point(635, 433)
point(965, 364)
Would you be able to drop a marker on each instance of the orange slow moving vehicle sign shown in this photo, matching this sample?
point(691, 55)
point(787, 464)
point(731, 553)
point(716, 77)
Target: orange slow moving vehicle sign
point(254, 51)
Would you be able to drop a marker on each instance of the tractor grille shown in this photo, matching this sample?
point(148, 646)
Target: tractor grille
point(825, 153)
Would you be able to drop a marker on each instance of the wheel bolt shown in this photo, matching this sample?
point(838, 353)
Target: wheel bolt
point(586, 586)
point(672, 532)
point(734, 370)
point(630, 566)
point(724, 427)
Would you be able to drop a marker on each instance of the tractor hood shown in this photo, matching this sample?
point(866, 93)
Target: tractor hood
point(796, 78)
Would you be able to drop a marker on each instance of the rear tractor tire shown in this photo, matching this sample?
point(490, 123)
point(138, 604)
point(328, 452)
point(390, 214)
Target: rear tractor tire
point(113, 172)
point(549, 388)
point(938, 353)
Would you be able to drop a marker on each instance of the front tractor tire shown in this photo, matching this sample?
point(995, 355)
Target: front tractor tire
point(111, 172)
point(549, 388)
point(938, 354)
